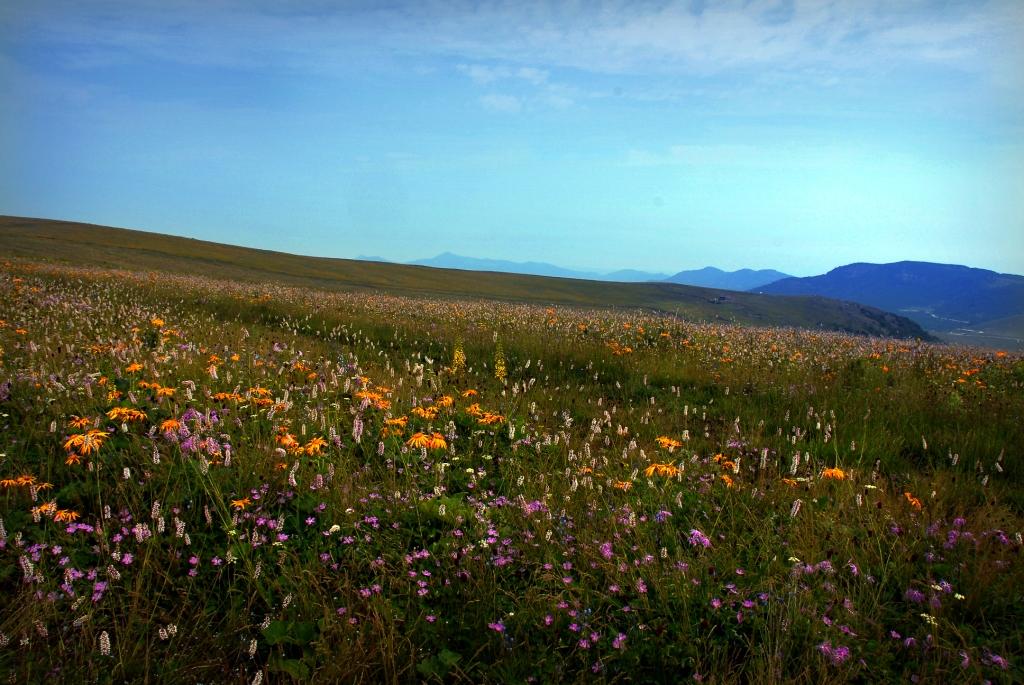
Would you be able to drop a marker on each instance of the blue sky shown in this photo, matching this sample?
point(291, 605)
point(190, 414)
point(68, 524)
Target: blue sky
point(796, 135)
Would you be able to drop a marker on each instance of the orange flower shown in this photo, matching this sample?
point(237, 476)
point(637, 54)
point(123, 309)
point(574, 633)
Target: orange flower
point(65, 516)
point(79, 422)
point(913, 501)
point(133, 367)
point(418, 440)
point(727, 480)
point(668, 443)
point(45, 508)
point(835, 473)
point(430, 413)
point(241, 503)
point(314, 446)
point(434, 441)
point(470, 393)
point(125, 414)
point(165, 392)
point(169, 425)
point(666, 470)
point(225, 396)
point(623, 485)
point(86, 443)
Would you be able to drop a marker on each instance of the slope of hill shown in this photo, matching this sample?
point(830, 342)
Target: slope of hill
point(78, 243)
point(744, 279)
point(940, 297)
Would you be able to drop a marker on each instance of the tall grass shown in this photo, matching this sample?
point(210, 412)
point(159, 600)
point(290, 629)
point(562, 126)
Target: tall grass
point(820, 507)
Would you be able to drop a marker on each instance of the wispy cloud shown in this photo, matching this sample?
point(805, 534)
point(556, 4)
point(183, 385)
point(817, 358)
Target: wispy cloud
point(529, 39)
point(496, 102)
point(484, 74)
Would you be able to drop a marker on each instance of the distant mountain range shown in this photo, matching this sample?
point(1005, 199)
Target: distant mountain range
point(962, 303)
point(449, 260)
point(106, 247)
point(940, 297)
point(708, 277)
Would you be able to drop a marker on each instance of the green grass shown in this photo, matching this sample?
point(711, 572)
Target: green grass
point(533, 548)
point(85, 244)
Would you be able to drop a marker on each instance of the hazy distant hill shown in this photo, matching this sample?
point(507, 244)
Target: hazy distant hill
point(101, 246)
point(744, 279)
point(634, 276)
point(448, 260)
point(940, 297)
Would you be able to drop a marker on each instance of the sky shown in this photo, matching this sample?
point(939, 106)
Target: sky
point(797, 135)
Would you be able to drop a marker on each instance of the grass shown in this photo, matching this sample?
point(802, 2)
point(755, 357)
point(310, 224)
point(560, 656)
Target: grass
point(291, 484)
point(76, 243)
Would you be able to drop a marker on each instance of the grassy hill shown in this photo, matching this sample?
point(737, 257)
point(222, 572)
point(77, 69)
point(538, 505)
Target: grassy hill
point(87, 244)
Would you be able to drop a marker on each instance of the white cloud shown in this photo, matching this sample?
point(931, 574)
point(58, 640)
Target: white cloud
point(508, 104)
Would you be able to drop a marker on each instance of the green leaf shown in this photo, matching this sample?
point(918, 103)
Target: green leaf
point(290, 632)
point(293, 667)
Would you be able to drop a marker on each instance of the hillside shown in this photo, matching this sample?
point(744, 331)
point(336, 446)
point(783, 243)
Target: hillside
point(87, 244)
point(940, 297)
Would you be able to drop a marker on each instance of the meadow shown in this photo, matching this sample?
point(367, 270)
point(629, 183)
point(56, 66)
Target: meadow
point(209, 480)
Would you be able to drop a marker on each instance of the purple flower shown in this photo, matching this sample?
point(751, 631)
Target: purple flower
point(915, 596)
point(698, 538)
point(995, 660)
point(836, 655)
point(498, 627)
point(620, 641)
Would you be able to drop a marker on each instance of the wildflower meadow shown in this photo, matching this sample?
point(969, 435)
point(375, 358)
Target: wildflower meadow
point(208, 480)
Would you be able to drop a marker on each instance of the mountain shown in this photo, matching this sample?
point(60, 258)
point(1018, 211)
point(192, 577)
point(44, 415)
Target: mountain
point(744, 279)
point(66, 242)
point(633, 276)
point(940, 297)
point(448, 260)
